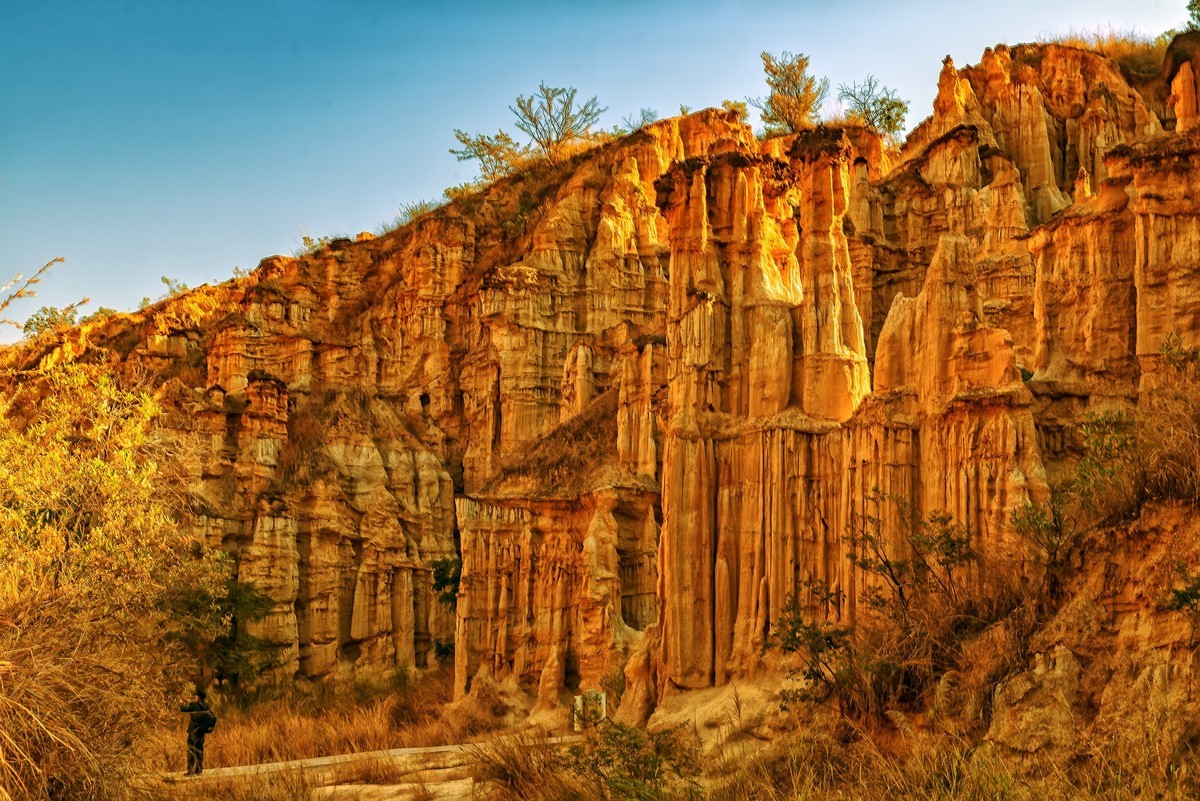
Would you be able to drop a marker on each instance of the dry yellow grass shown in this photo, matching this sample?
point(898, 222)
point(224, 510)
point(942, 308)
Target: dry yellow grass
point(924, 766)
point(302, 722)
point(1140, 56)
point(75, 698)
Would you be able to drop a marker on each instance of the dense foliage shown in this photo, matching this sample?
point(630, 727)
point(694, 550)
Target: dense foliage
point(91, 548)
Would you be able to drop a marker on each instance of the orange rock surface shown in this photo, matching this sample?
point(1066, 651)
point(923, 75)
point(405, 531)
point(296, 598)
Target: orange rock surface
point(646, 395)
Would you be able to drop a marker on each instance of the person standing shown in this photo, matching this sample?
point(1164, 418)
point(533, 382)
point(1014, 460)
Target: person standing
point(201, 721)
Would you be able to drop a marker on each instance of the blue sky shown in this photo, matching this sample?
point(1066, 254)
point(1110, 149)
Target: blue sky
point(181, 138)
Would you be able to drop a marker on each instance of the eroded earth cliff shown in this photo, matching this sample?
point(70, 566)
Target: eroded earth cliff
point(645, 395)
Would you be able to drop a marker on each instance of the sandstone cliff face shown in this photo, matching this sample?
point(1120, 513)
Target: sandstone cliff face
point(647, 395)
point(334, 405)
point(1008, 143)
point(556, 592)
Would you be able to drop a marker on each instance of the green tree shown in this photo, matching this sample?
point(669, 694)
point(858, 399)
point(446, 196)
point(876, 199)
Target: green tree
point(89, 515)
point(174, 286)
point(497, 155)
point(1193, 23)
point(795, 96)
point(49, 318)
point(1052, 529)
point(447, 574)
point(737, 106)
point(876, 105)
point(553, 120)
point(814, 632)
point(211, 626)
point(102, 313)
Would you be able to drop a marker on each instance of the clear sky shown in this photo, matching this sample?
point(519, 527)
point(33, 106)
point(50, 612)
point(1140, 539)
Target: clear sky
point(181, 138)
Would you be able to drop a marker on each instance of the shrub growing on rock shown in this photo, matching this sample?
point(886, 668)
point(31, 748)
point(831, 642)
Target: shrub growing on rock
point(795, 97)
point(552, 119)
point(922, 598)
point(876, 105)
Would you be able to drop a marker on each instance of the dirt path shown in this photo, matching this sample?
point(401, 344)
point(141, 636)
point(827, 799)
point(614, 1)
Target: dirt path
point(434, 772)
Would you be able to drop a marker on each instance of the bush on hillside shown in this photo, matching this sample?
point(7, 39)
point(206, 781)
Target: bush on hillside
point(922, 596)
point(877, 106)
point(497, 155)
point(613, 762)
point(174, 286)
point(552, 119)
point(555, 123)
point(1128, 456)
point(49, 319)
point(1168, 425)
point(739, 107)
point(90, 547)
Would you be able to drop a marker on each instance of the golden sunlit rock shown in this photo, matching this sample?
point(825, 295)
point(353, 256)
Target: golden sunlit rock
point(645, 395)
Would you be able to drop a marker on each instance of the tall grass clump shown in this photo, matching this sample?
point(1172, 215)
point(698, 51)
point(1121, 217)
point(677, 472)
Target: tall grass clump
point(812, 765)
point(409, 212)
point(518, 767)
point(1128, 456)
point(807, 766)
point(301, 720)
point(612, 762)
point(1168, 417)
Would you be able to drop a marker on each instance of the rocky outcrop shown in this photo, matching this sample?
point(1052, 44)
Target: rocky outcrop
point(649, 394)
point(1009, 142)
point(762, 322)
point(555, 592)
point(1114, 670)
point(1180, 72)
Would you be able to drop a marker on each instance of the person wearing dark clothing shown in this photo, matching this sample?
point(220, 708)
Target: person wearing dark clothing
point(201, 721)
